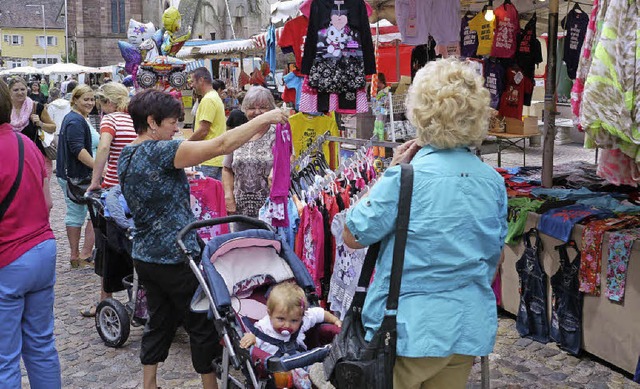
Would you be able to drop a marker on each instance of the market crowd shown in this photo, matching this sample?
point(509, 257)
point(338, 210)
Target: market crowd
point(106, 137)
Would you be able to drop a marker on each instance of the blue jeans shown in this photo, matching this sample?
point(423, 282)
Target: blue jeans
point(26, 319)
point(211, 171)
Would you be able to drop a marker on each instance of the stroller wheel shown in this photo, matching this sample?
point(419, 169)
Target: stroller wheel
point(112, 322)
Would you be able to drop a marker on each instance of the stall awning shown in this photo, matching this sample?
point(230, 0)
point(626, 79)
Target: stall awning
point(219, 48)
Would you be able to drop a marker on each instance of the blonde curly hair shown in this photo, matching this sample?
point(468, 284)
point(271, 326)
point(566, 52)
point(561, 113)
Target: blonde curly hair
point(448, 104)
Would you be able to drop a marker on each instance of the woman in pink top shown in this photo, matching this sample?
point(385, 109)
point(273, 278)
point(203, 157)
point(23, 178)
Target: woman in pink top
point(28, 260)
point(116, 131)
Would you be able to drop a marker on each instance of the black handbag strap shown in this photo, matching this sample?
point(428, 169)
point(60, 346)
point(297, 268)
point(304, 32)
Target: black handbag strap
point(402, 225)
point(4, 206)
point(402, 228)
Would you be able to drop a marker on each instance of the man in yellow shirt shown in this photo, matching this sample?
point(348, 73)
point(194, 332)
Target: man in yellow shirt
point(210, 120)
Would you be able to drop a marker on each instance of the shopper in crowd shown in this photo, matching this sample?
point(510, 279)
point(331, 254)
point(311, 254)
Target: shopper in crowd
point(27, 263)
point(116, 131)
point(34, 92)
point(447, 309)
point(27, 116)
point(246, 171)
point(76, 148)
point(236, 116)
point(155, 186)
point(44, 88)
point(71, 85)
point(58, 107)
point(210, 119)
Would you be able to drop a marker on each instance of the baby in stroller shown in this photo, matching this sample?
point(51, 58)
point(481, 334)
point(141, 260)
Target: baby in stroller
point(282, 331)
point(236, 274)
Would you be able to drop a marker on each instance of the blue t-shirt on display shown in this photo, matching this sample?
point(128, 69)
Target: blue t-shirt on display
point(294, 82)
point(158, 196)
point(559, 222)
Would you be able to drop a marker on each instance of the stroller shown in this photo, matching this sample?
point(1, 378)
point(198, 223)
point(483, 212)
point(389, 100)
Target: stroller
point(235, 273)
point(113, 262)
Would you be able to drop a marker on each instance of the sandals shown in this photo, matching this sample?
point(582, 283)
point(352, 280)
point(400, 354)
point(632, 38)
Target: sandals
point(89, 311)
point(80, 262)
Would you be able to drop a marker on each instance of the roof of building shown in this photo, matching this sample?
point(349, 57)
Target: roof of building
point(14, 14)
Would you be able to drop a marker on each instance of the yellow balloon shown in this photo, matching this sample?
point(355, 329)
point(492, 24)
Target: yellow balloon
point(171, 19)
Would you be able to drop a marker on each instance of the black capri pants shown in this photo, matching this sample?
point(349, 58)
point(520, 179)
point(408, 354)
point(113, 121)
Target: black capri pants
point(169, 289)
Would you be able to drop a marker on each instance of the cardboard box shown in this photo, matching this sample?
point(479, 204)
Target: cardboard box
point(528, 126)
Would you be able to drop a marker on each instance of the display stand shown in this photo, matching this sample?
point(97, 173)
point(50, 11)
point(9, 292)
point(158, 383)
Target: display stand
point(506, 140)
point(611, 331)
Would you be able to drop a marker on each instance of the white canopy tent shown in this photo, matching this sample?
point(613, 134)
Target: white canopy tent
point(22, 70)
point(68, 68)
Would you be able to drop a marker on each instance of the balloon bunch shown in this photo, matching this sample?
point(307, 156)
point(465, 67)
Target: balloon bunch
point(149, 53)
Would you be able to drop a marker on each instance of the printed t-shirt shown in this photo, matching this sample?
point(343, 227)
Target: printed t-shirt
point(505, 39)
point(559, 222)
point(468, 38)
point(485, 32)
point(207, 202)
point(512, 98)
point(26, 221)
point(306, 128)
point(211, 109)
point(293, 35)
point(120, 126)
point(494, 81)
point(575, 23)
point(529, 52)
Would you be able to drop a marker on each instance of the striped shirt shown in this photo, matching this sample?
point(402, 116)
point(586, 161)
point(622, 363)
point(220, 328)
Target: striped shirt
point(120, 126)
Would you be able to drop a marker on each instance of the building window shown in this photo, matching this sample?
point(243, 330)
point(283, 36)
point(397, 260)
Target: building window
point(15, 63)
point(51, 40)
point(118, 22)
point(13, 40)
point(47, 61)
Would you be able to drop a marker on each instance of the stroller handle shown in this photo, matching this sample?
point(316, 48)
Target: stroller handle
point(259, 224)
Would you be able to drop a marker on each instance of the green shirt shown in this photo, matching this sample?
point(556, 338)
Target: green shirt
point(519, 208)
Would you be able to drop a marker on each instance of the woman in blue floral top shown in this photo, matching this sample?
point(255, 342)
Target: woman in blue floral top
point(155, 186)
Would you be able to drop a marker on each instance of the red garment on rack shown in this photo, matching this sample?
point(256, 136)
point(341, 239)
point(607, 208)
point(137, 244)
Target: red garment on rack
point(310, 244)
point(207, 202)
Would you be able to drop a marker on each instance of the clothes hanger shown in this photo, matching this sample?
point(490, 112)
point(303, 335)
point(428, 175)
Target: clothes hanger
point(576, 7)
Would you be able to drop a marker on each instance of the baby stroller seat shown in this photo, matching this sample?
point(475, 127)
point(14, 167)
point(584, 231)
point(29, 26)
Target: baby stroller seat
point(113, 228)
point(235, 275)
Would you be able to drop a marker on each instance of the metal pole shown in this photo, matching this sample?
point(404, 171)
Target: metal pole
point(66, 31)
point(550, 97)
point(44, 28)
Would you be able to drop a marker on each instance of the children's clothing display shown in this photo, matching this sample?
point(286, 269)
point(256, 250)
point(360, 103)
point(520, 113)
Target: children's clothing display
point(505, 39)
point(566, 302)
point(338, 51)
point(620, 244)
point(417, 19)
point(281, 181)
point(307, 128)
point(575, 23)
point(346, 270)
point(293, 36)
point(207, 202)
point(559, 222)
point(532, 321)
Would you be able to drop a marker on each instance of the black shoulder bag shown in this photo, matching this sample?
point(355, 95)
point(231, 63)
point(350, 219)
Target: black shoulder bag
point(6, 202)
point(354, 363)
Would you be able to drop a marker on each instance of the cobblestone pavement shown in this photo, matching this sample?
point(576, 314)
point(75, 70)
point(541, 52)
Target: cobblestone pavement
point(88, 363)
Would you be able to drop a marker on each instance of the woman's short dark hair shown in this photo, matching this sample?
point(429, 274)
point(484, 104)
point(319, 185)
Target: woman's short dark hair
point(5, 103)
point(159, 105)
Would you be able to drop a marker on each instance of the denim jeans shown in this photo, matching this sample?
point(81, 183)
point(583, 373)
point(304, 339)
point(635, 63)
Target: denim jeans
point(211, 171)
point(566, 311)
point(26, 319)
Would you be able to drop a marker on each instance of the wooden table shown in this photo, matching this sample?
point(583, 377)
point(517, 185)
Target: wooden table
point(506, 140)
